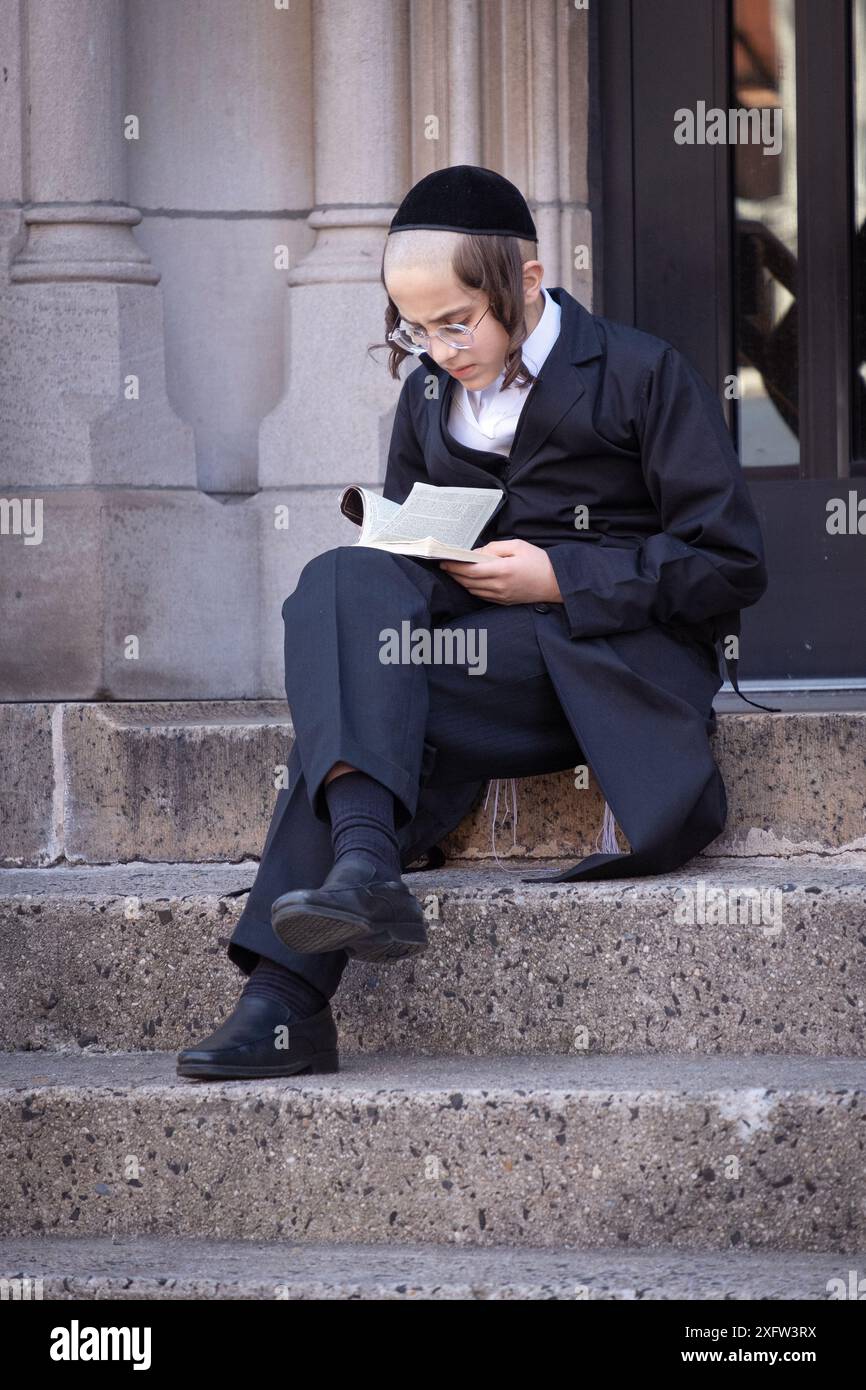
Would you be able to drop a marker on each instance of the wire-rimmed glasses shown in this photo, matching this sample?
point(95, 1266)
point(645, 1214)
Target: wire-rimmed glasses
point(413, 339)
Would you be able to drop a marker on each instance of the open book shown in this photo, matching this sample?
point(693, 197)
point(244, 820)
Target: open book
point(438, 523)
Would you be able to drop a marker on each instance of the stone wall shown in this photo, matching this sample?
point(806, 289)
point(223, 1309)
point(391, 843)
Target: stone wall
point(193, 204)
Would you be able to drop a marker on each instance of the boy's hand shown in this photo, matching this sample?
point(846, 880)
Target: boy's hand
point(516, 572)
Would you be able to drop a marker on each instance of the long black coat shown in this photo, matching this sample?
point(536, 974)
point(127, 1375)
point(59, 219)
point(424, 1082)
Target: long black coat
point(617, 420)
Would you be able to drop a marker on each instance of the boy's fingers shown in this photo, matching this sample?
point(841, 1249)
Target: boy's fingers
point(481, 587)
point(484, 570)
point(479, 569)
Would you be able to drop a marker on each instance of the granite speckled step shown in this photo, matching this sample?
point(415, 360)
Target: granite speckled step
point(165, 1267)
point(195, 781)
point(134, 957)
point(761, 1153)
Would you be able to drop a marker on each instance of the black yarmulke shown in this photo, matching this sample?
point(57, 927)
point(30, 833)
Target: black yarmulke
point(466, 198)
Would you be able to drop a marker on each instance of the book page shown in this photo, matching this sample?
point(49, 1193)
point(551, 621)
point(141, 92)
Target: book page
point(367, 509)
point(378, 511)
point(453, 515)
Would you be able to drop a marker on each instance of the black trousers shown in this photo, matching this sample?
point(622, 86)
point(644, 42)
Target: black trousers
point(414, 727)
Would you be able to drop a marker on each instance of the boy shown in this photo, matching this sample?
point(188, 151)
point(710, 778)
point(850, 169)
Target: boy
point(622, 548)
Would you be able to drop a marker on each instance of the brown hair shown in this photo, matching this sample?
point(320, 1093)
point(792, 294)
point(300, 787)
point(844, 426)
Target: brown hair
point(493, 264)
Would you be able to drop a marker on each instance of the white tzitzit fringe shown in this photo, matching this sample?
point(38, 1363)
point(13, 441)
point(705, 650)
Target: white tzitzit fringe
point(607, 834)
point(513, 782)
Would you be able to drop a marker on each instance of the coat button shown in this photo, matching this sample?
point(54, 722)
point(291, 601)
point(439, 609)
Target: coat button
point(542, 608)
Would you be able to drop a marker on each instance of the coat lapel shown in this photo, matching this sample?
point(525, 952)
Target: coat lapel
point(555, 391)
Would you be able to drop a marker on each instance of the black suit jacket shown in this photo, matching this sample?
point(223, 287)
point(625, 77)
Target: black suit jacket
point(619, 422)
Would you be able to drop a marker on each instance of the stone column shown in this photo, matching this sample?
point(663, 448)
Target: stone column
point(81, 297)
point(335, 396)
point(534, 78)
point(78, 228)
point(113, 556)
point(333, 423)
point(568, 30)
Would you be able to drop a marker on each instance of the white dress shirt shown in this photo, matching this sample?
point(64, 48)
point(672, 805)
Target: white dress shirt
point(487, 419)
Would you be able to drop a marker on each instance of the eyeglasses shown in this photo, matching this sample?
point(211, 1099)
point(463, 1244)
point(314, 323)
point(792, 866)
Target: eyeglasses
point(405, 335)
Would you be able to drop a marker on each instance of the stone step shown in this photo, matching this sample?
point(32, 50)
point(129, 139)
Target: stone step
point(187, 781)
point(133, 957)
point(759, 1152)
point(165, 1267)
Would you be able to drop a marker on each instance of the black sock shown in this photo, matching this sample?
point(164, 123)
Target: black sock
point(362, 820)
point(270, 980)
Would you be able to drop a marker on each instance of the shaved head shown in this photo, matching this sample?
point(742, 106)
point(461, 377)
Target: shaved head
point(421, 248)
point(432, 250)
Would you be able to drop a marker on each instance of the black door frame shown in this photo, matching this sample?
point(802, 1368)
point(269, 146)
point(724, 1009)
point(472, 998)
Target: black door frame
point(648, 277)
point(662, 206)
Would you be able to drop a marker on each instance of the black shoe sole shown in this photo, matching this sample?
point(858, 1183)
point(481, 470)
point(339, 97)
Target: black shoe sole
point(225, 1071)
point(311, 930)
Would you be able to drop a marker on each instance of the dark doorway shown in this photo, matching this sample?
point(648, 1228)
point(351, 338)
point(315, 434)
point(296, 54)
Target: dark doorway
point(739, 240)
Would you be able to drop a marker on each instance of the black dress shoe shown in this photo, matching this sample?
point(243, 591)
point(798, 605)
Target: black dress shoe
point(248, 1045)
point(352, 911)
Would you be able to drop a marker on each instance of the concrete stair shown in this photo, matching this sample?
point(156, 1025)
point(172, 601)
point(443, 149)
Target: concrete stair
point(586, 1153)
point(649, 1088)
point(166, 1267)
point(133, 957)
point(194, 782)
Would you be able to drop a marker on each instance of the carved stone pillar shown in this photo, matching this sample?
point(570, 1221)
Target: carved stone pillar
point(333, 422)
point(84, 389)
point(335, 394)
point(114, 593)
